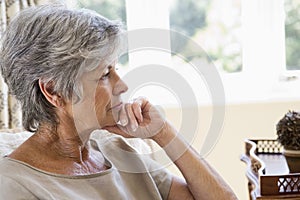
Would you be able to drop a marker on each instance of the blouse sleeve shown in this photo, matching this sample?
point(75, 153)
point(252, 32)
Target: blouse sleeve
point(162, 178)
point(11, 189)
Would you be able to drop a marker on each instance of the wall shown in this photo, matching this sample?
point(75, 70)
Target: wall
point(253, 120)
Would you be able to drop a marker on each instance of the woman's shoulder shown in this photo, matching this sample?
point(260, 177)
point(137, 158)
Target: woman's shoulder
point(8, 168)
point(12, 185)
point(27, 152)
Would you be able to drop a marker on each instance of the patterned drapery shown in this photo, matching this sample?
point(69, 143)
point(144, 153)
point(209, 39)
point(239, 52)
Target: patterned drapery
point(10, 110)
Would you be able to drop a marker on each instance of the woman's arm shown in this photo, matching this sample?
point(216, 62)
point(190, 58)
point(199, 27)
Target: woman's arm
point(202, 181)
point(141, 119)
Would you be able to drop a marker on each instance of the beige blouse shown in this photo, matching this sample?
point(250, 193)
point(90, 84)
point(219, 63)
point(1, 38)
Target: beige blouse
point(131, 175)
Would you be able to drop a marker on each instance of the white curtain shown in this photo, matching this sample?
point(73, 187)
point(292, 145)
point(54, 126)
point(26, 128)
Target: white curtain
point(10, 110)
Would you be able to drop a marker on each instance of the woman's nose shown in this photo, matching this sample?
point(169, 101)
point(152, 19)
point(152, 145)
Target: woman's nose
point(120, 87)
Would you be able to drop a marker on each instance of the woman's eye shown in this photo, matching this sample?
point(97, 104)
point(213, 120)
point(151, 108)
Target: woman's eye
point(105, 74)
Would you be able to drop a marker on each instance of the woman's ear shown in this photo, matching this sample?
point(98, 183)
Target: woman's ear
point(47, 89)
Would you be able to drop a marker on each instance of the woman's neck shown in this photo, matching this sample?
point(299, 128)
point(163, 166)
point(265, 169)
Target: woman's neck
point(68, 149)
point(64, 142)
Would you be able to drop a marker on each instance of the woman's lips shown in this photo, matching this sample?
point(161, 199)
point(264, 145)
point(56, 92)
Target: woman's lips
point(117, 107)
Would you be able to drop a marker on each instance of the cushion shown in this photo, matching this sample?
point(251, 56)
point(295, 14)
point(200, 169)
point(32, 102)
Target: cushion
point(11, 139)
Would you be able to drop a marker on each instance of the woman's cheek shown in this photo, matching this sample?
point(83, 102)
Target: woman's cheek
point(102, 101)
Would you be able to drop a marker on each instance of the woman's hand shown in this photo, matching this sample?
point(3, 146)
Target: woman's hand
point(143, 120)
point(138, 119)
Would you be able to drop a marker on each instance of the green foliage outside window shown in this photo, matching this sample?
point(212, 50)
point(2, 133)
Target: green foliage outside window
point(292, 34)
point(201, 21)
point(188, 16)
point(112, 9)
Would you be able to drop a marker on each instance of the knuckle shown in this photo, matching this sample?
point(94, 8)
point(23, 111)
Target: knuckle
point(127, 106)
point(135, 105)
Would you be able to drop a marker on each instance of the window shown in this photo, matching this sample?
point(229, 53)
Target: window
point(257, 40)
point(215, 25)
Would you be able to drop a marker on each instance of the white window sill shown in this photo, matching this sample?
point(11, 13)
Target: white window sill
point(242, 88)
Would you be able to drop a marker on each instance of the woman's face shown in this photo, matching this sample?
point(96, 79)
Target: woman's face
point(101, 101)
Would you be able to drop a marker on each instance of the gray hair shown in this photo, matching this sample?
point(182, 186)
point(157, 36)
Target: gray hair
point(53, 44)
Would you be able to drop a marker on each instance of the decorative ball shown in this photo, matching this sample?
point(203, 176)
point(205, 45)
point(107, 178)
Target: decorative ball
point(288, 131)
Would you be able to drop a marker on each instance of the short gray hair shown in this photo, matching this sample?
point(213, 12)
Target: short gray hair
point(57, 44)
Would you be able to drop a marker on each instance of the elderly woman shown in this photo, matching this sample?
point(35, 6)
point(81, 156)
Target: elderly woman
point(60, 64)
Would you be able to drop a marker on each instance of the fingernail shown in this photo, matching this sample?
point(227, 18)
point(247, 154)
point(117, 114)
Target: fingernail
point(123, 122)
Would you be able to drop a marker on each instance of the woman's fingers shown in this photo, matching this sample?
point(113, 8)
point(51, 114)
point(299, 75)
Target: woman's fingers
point(131, 117)
point(123, 117)
point(136, 108)
point(131, 114)
point(138, 119)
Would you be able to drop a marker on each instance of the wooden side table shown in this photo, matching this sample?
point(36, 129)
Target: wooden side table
point(267, 171)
